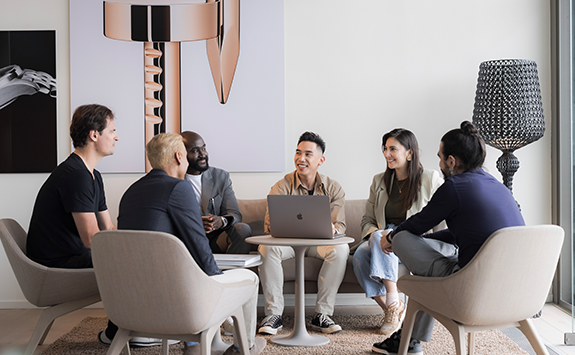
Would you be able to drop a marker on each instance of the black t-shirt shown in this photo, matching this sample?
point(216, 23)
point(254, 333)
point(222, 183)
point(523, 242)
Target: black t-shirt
point(53, 236)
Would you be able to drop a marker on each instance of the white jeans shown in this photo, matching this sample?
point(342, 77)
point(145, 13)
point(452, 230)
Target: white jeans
point(330, 275)
point(250, 307)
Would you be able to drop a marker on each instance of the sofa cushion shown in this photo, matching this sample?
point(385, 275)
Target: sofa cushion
point(253, 213)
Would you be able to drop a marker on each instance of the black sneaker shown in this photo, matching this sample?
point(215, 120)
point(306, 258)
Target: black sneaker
point(390, 346)
point(271, 324)
point(323, 323)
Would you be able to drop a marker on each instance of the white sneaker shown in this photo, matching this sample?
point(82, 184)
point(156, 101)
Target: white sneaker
point(135, 341)
point(228, 326)
point(394, 315)
point(145, 342)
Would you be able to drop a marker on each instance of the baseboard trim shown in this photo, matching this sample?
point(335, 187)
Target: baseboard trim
point(343, 299)
point(16, 305)
point(28, 305)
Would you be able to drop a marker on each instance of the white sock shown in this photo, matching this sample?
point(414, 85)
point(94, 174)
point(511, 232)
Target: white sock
point(391, 298)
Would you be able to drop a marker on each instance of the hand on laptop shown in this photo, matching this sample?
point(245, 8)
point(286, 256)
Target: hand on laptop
point(333, 229)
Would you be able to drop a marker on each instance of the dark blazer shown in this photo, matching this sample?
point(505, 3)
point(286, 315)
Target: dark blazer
point(218, 197)
point(159, 202)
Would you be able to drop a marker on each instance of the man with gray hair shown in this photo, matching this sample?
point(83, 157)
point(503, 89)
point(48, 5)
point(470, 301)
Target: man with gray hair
point(164, 201)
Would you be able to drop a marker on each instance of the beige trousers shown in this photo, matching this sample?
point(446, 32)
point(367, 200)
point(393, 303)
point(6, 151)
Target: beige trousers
point(250, 307)
point(330, 276)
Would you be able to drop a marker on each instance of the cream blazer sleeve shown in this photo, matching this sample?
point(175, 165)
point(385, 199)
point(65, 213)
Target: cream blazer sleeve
point(374, 217)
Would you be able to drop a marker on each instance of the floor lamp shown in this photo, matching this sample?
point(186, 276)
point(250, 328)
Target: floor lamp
point(508, 110)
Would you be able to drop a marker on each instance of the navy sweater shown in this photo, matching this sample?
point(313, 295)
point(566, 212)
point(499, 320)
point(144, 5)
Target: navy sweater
point(474, 205)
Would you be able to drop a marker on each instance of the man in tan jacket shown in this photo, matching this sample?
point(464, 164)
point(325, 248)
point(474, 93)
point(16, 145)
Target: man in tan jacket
point(305, 180)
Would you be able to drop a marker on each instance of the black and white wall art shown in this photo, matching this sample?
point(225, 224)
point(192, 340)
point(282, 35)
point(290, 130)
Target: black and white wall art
point(28, 101)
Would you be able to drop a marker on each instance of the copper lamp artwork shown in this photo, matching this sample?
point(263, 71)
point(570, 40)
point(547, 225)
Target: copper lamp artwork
point(162, 28)
point(508, 110)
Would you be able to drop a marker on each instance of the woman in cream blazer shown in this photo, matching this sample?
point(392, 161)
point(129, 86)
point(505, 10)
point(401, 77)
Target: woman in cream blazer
point(375, 270)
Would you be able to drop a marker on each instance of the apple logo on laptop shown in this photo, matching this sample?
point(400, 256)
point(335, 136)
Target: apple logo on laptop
point(299, 216)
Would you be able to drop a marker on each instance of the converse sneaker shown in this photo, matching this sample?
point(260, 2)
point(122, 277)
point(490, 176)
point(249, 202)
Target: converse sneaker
point(271, 324)
point(390, 346)
point(323, 323)
point(393, 317)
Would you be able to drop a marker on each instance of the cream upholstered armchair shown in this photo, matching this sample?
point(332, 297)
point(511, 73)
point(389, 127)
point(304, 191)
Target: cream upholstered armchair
point(152, 287)
point(61, 290)
point(503, 286)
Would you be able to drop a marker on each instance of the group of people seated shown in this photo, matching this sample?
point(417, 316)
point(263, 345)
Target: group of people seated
point(433, 225)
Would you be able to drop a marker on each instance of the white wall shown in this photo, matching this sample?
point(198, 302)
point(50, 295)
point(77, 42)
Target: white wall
point(354, 70)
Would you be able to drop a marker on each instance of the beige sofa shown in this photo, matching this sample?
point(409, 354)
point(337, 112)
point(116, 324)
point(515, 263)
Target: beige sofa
point(253, 213)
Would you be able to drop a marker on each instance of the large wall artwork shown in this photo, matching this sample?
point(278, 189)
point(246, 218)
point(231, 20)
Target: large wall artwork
point(27, 101)
point(246, 134)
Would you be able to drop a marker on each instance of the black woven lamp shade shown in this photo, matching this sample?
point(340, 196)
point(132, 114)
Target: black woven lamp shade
point(508, 110)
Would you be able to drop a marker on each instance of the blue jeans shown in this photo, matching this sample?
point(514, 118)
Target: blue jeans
point(371, 265)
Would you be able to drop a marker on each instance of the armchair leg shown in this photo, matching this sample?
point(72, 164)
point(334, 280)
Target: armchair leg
point(471, 343)
point(206, 338)
point(125, 350)
point(459, 338)
point(240, 331)
point(49, 315)
point(218, 344)
point(45, 333)
point(408, 322)
point(165, 347)
point(526, 326)
point(120, 342)
point(457, 332)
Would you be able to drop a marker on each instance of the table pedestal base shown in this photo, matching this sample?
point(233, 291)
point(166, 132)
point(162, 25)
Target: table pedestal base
point(300, 336)
point(300, 340)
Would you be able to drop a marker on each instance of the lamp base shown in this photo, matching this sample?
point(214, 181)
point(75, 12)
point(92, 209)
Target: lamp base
point(508, 164)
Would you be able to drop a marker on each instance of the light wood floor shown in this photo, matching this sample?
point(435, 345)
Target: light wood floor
point(16, 326)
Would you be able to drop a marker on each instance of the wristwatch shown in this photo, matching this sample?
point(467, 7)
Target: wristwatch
point(224, 222)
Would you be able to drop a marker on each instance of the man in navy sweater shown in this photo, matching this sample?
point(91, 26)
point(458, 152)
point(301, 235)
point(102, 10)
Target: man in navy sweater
point(472, 203)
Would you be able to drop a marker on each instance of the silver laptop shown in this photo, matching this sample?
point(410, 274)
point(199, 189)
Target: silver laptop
point(300, 217)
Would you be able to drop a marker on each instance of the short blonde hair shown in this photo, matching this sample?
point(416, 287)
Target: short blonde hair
point(162, 148)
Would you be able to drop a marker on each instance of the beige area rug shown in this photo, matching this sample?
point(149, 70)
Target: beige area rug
point(357, 338)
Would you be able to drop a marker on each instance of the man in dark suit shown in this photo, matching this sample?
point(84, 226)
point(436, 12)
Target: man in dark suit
point(163, 201)
point(217, 200)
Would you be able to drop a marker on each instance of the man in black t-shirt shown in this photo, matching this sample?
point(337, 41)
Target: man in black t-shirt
point(71, 205)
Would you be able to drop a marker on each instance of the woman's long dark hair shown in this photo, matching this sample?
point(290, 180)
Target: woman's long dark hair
point(414, 168)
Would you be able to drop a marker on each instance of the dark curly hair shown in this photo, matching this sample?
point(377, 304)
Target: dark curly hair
point(466, 145)
point(87, 118)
